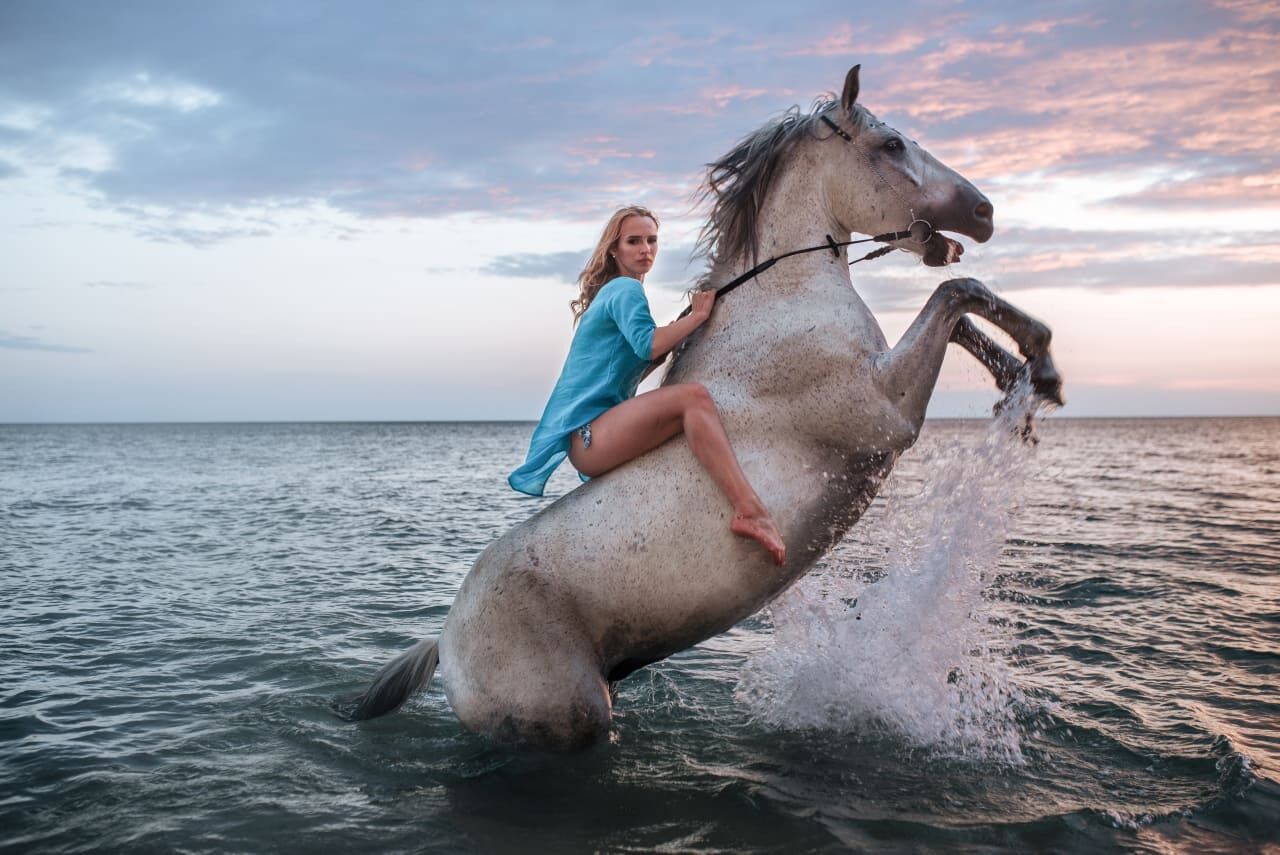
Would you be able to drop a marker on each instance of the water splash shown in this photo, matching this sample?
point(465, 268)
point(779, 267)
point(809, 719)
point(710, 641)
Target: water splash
point(893, 632)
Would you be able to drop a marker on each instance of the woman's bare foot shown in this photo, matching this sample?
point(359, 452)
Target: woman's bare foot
point(760, 528)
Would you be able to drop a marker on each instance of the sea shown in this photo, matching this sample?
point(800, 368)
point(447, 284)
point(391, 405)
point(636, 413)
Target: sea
point(1070, 645)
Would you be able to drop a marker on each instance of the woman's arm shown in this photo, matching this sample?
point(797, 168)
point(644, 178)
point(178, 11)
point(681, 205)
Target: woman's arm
point(666, 338)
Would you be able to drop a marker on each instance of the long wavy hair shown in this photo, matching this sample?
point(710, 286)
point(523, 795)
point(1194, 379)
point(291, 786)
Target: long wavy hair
point(603, 266)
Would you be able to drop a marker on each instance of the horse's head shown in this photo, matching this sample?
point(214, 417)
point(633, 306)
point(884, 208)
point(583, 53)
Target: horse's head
point(879, 181)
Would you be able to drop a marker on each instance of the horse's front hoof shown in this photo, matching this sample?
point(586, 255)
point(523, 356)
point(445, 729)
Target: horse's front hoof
point(1046, 383)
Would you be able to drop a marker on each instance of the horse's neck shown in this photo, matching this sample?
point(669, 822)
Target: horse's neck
point(799, 292)
point(793, 216)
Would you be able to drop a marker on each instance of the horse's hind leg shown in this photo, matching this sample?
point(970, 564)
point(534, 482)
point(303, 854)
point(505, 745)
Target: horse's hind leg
point(569, 709)
point(528, 689)
point(907, 373)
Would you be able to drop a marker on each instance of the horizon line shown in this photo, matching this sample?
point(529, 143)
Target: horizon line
point(535, 421)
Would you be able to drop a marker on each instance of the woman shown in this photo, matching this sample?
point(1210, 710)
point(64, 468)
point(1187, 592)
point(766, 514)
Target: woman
point(594, 415)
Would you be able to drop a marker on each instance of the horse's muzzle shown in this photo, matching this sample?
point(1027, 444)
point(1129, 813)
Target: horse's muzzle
point(969, 213)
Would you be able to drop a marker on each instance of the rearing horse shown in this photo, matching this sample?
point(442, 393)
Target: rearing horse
point(640, 563)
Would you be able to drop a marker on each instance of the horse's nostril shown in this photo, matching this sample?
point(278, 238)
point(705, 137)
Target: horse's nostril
point(984, 211)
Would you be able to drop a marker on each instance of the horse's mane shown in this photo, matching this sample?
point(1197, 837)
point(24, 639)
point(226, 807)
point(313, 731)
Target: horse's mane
point(738, 182)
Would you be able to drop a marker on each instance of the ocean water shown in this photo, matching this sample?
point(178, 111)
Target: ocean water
point(1067, 647)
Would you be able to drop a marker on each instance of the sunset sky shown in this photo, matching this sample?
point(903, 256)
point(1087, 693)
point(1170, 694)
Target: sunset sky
point(301, 210)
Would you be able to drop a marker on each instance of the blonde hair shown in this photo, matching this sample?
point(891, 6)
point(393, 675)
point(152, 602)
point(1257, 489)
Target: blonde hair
point(603, 266)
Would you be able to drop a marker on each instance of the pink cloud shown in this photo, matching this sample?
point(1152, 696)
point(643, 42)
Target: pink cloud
point(1251, 11)
point(1243, 384)
point(838, 43)
point(1256, 189)
point(713, 101)
point(1256, 252)
point(1031, 257)
point(592, 151)
point(1018, 151)
point(721, 96)
point(593, 157)
point(1117, 248)
point(502, 195)
point(675, 49)
point(1044, 27)
point(1039, 262)
point(955, 49)
point(850, 41)
point(1207, 96)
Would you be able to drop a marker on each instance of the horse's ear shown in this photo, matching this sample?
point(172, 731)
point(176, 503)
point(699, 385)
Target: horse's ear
point(850, 95)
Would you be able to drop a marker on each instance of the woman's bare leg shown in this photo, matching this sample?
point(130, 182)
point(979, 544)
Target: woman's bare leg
point(646, 421)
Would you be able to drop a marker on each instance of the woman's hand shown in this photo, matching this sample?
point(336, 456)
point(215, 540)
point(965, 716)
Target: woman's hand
point(702, 301)
point(665, 338)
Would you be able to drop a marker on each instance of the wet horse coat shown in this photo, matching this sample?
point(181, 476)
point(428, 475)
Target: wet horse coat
point(640, 563)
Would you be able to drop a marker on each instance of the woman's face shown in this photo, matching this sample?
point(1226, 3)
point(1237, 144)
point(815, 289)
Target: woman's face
point(637, 247)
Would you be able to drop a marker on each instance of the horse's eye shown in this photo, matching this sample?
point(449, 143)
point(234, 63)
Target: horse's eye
point(893, 144)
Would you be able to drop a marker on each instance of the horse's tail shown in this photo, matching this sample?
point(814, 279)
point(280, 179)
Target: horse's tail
point(399, 680)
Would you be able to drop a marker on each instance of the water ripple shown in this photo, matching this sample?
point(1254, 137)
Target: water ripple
point(182, 602)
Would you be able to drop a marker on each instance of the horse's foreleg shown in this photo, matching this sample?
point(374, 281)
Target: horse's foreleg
point(1003, 365)
point(907, 373)
point(1031, 336)
point(963, 296)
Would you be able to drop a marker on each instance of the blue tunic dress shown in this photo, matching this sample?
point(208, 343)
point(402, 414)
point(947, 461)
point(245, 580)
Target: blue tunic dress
point(610, 351)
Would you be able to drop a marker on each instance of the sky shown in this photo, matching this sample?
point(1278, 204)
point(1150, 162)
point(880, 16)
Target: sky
point(244, 211)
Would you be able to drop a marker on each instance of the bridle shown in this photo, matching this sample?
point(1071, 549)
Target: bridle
point(917, 229)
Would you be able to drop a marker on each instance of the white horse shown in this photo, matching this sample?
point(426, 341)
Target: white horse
point(640, 563)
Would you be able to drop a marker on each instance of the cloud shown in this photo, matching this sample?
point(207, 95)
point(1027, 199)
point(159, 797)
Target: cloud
point(140, 89)
point(1200, 100)
point(1260, 189)
point(438, 109)
point(198, 237)
point(676, 267)
point(1045, 25)
point(24, 342)
point(1109, 260)
point(846, 40)
point(1022, 259)
point(423, 111)
point(8, 170)
point(563, 266)
point(1123, 274)
point(198, 228)
point(1251, 11)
